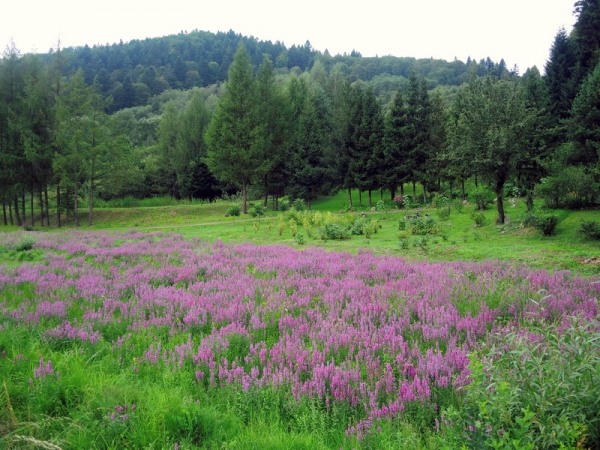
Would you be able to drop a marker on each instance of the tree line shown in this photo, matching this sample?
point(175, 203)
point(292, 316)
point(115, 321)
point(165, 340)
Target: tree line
point(301, 133)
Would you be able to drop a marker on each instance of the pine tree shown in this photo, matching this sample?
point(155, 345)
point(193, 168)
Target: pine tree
point(418, 110)
point(235, 136)
point(585, 121)
point(396, 149)
point(559, 76)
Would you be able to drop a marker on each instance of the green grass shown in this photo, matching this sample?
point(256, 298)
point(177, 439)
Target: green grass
point(459, 238)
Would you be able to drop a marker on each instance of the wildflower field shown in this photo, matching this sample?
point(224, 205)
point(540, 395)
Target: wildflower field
point(150, 340)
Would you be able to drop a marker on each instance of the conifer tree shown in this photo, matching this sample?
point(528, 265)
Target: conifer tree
point(236, 136)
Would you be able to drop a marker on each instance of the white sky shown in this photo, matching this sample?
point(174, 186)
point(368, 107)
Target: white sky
point(520, 31)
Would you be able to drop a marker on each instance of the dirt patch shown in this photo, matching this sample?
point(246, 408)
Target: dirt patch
point(594, 261)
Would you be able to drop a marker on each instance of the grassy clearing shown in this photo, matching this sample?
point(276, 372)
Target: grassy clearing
point(458, 237)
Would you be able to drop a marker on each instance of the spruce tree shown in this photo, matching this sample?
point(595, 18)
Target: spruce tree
point(235, 136)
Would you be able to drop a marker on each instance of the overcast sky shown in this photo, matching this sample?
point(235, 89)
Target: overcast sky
point(520, 31)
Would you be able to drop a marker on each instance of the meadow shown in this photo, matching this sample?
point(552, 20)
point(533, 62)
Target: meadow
point(235, 333)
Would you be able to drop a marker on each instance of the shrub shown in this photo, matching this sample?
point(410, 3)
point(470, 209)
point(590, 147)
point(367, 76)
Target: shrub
point(357, 226)
point(24, 245)
point(589, 228)
point(283, 204)
point(444, 213)
point(478, 217)
point(380, 206)
point(534, 389)
point(421, 225)
point(258, 211)
point(235, 210)
point(573, 188)
point(399, 201)
point(481, 196)
point(440, 201)
point(458, 205)
point(299, 204)
point(333, 231)
point(546, 223)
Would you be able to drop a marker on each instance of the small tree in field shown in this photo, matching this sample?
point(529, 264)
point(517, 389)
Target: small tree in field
point(491, 128)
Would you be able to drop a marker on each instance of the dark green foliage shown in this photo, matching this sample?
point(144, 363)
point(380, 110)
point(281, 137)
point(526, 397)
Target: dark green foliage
point(584, 124)
point(478, 217)
point(311, 122)
point(333, 231)
point(490, 128)
point(299, 204)
point(236, 135)
point(546, 223)
point(395, 150)
point(590, 229)
point(235, 210)
point(572, 187)
point(421, 225)
point(559, 72)
point(257, 211)
point(481, 197)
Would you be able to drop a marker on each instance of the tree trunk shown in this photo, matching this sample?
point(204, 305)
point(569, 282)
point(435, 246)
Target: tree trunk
point(529, 200)
point(349, 198)
point(17, 215)
point(392, 193)
point(462, 185)
point(91, 194)
point(500, 201)
point(41, 200)
point(57, 205)
point(76, 206)
point(424, 193)
point(244, 198)
point(266, 191)
point(47, 204)
point(31, 206)
point(402, 190)
point(370, 199)
point(10, 215)
point(4, 211)
point(360, 198)
point(23, 206)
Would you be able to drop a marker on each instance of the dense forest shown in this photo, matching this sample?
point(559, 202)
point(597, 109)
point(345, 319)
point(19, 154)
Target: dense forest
point(199, 115)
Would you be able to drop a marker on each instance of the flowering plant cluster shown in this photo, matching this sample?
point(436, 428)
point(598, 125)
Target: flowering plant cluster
point(378, 334)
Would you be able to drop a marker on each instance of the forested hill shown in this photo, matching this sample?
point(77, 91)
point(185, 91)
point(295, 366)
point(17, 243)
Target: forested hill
point(133, 72)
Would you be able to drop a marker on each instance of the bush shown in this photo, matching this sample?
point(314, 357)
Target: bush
point(444, 213)
point(458, 205)
point(572, 188)
point(534, 389)
point(399, 201)
point(258, 211)
point(481, 196)
point(546, 223)
point(421, 225)
point(478, 217)
point(589, 228)
point(333, 231)
point(235, 210)
point(299, 204)
point(283, 204)
point(24, 245)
